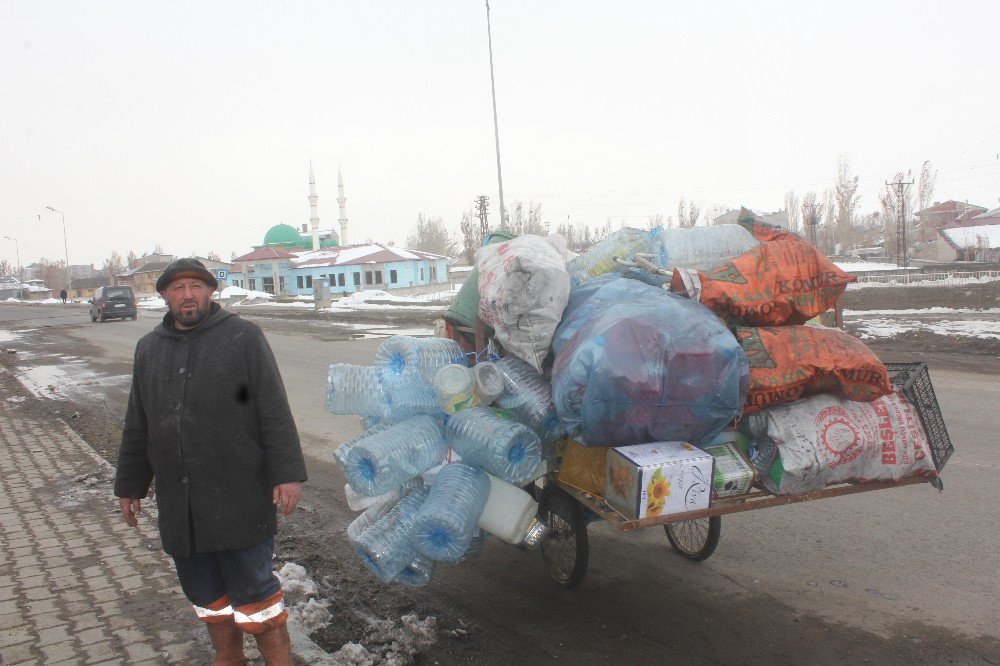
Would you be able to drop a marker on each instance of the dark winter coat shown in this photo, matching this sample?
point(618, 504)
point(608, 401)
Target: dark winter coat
point(209, 418)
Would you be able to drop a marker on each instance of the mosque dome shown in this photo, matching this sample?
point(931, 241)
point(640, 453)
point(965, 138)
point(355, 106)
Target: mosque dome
point(283, 234)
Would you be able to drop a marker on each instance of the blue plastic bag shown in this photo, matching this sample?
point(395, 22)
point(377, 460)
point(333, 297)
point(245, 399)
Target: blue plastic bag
point(636, 364)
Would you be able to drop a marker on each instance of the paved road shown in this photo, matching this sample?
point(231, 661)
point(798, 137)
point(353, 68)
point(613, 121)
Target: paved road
point(913, 568)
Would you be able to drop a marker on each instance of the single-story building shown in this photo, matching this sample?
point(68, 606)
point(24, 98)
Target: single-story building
point(285, 272)
point(978, 243)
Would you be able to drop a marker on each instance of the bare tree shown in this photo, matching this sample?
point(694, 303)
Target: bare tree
point(828, 237)
point(682, 214)
point(792, 210)
point(847, 202)
point(527, 220)
point(654, 221)
point(214, 256)
point(158, 248)
point(114, 265)
point(6, 268)
point(694, 212)
point(133, 259)
point(925, 186)
point(430, 235)
point(472, 235)
point(810, 216)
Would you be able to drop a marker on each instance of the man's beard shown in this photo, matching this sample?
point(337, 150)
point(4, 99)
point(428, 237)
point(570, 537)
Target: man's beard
point(193, 317)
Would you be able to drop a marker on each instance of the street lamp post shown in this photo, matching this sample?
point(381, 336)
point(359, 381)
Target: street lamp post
point(20, 281)
point(69, 273)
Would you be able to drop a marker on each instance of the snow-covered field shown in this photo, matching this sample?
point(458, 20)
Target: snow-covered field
point(953, 322)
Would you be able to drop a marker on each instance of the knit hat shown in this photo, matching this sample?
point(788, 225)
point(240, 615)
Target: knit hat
point(187, 267)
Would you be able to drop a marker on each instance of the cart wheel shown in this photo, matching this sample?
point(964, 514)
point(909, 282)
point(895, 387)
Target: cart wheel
point(695, 539)
point(564, 549)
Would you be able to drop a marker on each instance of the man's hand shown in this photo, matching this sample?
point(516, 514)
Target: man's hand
point(130, 509)
point(287, 495)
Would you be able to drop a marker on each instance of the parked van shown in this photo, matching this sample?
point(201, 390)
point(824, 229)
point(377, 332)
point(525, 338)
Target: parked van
point(113, 303)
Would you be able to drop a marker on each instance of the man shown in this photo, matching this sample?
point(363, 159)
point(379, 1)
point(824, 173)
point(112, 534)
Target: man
point(63, 295)
point(209, 419)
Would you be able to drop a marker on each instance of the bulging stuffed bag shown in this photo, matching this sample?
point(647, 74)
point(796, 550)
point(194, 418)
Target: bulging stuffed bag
point(523, 289)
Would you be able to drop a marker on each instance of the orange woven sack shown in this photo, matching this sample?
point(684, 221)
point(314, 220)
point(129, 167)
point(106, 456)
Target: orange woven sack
point(789, 362)
point(782, 282)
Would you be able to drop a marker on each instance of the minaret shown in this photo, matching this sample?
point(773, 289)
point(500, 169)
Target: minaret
point(342, 201)
point(314, 219)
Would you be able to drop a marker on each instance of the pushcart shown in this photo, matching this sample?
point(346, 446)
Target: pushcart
point(695, 534)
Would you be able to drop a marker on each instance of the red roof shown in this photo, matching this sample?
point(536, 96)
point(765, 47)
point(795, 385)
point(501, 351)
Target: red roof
point(266, 253)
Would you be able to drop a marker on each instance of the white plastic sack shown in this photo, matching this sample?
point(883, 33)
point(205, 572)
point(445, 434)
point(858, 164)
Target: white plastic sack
point(826, 440)
point(523, 290)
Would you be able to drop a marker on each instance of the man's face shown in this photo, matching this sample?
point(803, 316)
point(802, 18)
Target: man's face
point(189, 300)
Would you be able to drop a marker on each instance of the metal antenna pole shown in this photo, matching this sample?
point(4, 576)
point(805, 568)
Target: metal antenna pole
point(496, 126)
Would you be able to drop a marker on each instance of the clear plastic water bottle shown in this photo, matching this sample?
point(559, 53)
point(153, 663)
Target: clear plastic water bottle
point(703, 248)
point(600, 259)
point(447, 520)
point(455, 387)
point(358, 502)
point(489, 381)
point(504, 448)
point(377, 463)
point(387, 546)
point(417, 573)
point(762, 451)
point(403, 360)
point(354, 389)
point(529, 397)
point(403, 402)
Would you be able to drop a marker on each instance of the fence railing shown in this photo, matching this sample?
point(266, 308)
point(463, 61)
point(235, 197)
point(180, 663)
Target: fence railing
point(913, 277)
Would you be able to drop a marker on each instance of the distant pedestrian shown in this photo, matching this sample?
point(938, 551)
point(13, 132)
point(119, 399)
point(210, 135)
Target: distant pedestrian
point(63, 295)
point(209, 418)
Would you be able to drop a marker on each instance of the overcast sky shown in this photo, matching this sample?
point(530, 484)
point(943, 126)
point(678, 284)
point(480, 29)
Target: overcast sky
point(191, 124)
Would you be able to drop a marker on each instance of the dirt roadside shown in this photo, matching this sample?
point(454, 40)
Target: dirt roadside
point(368, 613)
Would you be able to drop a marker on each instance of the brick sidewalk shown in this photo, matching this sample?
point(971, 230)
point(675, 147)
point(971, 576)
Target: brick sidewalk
point(76, 584)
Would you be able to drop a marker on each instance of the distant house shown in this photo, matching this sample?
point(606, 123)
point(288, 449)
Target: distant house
point(280, 271)
point(11, 287)
point(978, 243)
point(989, 217)
point(943, 215)
point(143, 276)
point(35, 290)
point(85, 287)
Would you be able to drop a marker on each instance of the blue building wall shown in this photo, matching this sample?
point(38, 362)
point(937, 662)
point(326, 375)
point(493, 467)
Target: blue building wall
point(349, 278)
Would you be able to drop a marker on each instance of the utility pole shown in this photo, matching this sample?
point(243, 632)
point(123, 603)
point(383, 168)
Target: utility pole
point(482, 212)
point(812, 223)
point(496, 126)
point(900, 223)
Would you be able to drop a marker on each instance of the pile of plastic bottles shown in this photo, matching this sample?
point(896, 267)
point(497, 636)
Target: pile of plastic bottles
point(435, 466)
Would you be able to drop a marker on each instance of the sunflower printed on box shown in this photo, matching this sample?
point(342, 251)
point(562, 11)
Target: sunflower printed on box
point(650, 480)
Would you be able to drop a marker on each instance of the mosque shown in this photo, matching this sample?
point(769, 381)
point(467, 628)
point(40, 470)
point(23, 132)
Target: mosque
point(290, 261)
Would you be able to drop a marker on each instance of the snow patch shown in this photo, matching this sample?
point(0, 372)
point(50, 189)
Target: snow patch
point(385, 642)
point(300, 591)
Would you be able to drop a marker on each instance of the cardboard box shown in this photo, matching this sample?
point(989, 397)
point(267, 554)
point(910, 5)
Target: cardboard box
point(649, 480)
point(733, 475)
